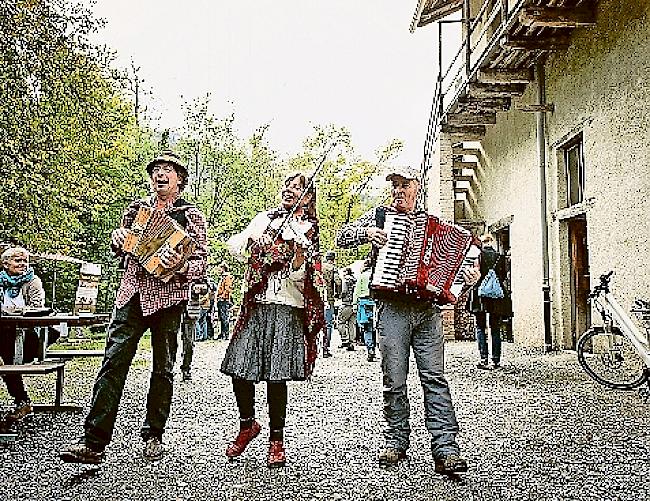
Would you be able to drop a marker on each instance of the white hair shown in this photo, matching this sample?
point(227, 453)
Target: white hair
point(12, 252)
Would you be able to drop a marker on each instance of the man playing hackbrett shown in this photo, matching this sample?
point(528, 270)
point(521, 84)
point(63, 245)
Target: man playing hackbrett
point(404, 322)
point(145, 302)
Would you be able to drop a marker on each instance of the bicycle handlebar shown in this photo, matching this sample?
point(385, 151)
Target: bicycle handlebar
point(603, 287)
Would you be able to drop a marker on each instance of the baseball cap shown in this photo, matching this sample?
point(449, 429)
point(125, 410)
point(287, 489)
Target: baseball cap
point(404, 171)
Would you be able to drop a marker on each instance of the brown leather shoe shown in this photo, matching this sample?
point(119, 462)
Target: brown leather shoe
point(277, 455)
point(390, 456)
point(81, 453)
point(22, 410)
point(243, 439)
point(450, 464)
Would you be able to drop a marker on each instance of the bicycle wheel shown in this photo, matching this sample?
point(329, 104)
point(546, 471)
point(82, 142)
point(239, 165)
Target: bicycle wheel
point(611, 359)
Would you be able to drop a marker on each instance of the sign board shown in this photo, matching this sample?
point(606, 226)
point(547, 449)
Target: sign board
point(86, 297)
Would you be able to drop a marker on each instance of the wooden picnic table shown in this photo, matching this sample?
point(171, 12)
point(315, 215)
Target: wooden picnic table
point(45, 364)
point(61, 321)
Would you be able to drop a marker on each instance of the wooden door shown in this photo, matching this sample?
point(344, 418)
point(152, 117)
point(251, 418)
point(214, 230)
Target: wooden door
point(579, 279)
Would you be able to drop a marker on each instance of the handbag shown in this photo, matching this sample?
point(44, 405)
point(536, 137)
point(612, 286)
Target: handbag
point(490, 286)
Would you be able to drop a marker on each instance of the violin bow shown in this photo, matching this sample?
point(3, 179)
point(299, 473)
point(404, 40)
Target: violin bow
point(308, 185)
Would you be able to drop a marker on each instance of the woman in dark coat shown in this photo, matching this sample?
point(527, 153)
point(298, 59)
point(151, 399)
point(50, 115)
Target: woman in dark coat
point(482, 306)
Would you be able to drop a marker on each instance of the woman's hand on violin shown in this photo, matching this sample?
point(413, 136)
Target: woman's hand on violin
point(264, 242)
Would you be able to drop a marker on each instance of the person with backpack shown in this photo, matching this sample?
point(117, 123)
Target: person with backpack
point(143, 302)
point(485, 302)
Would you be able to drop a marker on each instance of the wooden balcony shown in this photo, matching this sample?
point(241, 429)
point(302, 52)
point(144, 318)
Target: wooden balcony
point(501, 44)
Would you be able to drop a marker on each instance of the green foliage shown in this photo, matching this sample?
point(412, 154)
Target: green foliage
point(71, 153)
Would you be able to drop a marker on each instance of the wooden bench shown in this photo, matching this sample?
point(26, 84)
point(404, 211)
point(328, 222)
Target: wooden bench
point(68, 354)
point(37, 369)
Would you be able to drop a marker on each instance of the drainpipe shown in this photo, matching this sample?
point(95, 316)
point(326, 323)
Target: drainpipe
point(540, 77)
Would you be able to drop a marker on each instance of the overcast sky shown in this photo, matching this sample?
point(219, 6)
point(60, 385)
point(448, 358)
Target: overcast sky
point(293, 63)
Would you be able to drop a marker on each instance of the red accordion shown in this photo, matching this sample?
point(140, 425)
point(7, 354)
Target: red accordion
point(424, 257)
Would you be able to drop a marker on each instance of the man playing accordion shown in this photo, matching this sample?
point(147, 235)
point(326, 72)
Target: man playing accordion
point(404, 322)
point(145, 301)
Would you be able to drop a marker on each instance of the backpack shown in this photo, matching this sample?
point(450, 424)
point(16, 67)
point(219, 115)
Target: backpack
point(490, 286)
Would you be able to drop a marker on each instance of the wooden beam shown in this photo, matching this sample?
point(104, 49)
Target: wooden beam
point(457, 150)
point(481, 118)
point(550, 43)
point(534, 108)
point(439, 11)
point(464, 174)
point(502, 76)
point(465, 165)
point(483, 90)
point(465, 132)
point(557, 17)
point(475, 105)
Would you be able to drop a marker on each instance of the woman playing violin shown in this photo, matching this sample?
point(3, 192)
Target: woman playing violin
point(274, 339)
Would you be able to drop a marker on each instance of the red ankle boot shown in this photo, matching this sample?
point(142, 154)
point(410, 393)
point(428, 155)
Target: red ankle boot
point(277, 456)
point(243, 439)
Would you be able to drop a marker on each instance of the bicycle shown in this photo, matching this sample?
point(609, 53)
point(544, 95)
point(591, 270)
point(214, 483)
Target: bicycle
point(616, 354)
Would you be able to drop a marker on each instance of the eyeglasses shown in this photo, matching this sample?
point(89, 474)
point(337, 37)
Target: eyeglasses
point(162, 168)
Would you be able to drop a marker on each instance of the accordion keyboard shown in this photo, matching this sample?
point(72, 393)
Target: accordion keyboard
point(389, 258)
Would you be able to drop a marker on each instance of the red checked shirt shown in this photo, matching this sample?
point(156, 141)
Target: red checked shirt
point(154, 293)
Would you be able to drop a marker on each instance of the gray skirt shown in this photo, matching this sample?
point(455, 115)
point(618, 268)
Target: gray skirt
point(271, 347)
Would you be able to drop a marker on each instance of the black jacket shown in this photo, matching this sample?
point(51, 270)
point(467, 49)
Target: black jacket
point(489, 259)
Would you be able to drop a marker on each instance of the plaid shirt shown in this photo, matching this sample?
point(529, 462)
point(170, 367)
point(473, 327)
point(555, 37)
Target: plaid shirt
point(354, 233)
point(154, 293)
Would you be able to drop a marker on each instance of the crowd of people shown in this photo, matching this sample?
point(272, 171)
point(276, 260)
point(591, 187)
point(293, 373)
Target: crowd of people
point(291, 302)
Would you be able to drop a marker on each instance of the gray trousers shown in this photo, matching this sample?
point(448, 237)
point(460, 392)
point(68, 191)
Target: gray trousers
point(346, 321)
point(416, 325)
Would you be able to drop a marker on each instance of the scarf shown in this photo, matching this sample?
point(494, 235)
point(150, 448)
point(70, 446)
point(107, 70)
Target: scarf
point(262, 264)
point(12, 284)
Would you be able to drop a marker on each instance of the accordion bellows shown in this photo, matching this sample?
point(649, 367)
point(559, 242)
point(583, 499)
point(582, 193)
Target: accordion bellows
point(424, 257)
point(151, 232)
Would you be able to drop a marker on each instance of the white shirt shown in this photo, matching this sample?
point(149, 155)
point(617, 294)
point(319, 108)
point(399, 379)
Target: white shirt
point(285, 286)
point(13, 304)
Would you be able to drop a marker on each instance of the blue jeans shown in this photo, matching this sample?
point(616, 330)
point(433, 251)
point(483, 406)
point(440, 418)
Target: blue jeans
point(223, 310)
point(329, 324)
point(365, 315)
point(124, 332)
point(481, 336)
point(202, 326)
point(418, 326)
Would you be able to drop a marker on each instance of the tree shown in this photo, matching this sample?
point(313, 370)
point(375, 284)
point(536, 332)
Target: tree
point(71, 150)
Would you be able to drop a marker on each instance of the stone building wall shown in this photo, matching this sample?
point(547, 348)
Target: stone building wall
point(600, 88)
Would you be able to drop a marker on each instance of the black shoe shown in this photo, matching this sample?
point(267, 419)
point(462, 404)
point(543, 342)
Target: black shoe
point(496, 364)
point(450, 464)
point(326, 354)
point(187, 376)
point(350, 346)
point(390, 456)
point(483, 365)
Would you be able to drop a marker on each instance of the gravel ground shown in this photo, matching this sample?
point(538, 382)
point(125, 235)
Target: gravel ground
point(538, 428)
